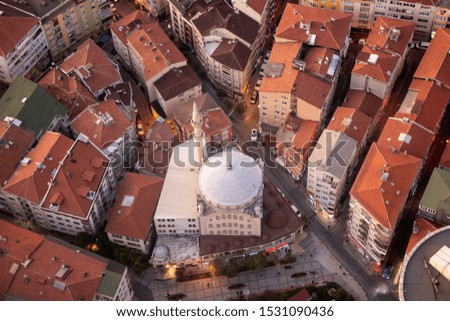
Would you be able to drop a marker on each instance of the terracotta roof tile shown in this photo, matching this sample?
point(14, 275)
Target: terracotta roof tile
point(68, 90)
point(333, 36)
point(14, 144)
point(101, 129)
point(405, 135)
point(308, 86)
point(30, 179)
point(177, 81)
point(91, 61)
point(381, 70)
point(257, 5)
point(134, 220)
point(128, 24)
point(383, 34)
point(351, 122)
point(423, 227)
point(13, 30)
point(37, 280)
point(383, 183)
point(155, 49)
point(363, 101)
point(232, 54)
point(435, 63)
point(214, 121)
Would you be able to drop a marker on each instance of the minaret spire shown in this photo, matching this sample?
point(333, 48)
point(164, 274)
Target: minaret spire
point(198, 135)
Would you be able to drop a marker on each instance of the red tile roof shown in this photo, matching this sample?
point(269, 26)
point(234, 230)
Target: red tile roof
point(68, 90)
point(405, 135)
point(305, 134)
point(232, 54)
point(30, 179)
point(435, 64)
point(46, 256)
point(302, 295)
point(14, 144)
point(214, 121)
point(176, 82)
point(381, 70)
point(318, 61)
point(93, 65)
point(383, 33)
point(383, 183)
point(257, 5)
point(13, 30)
point(333, 36)
point(311, 89)
point(155, 49)
point(101, 129)
point(363, 101)
point(127, 24)
point(430, 103)
point(134, 220)
point(351, 122)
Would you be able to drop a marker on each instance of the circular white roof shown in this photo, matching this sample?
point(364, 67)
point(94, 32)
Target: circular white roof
point(161, 251)
point(235, 186)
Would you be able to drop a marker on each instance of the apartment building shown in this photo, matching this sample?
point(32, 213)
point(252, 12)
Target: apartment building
point(92, 68)
point(333, 159)
point(378, 198)
point(305, 59)
point(63, 185)
point(24, 49)
point(42, 268)
point(322, 4)
point(112, 131)
point(216, 125)
point(121, 28)
point(294, 142)
point(429, 92)
point(130, 220)
point(30, 105)
point(177, 86)
point(382, 58)
point(442, 16)
point(65, 22)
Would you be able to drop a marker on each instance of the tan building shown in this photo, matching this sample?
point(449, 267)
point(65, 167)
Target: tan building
point(378, 199)
point(130, 220)
point(63, 185)
point(112, 131)
point(66, 23)
point(305, 60)
point(49, 269)
point(24, 48)
point(382, 58)
point(334, 157)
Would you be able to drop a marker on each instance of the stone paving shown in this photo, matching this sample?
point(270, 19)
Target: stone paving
point(311, 254)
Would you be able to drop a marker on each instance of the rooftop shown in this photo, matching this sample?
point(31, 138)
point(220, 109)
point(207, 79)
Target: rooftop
point(415, 283)
point(155, 49)
point(422, 227)
point(350, 122)
point(68, 90)
point(391, 35)
point(365, 102)
point(308, 86)
point(183, 111)
point(437, 193)
point(375, 64)
point(102, 123)
point(136, 200)
point(176, 82)
point(435, 63)
point(214, 120)
point(299, 24)
point(123, 27)
point(46, 269)
point(14, 145)
point(232, 54)
point(383, 183)
point(13, 30)
point(92, 66)
point(26, 101)
point(404, 134)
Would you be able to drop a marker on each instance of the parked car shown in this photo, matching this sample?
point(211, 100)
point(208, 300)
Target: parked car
point(258, 84)
point(254, 97)
point(387, 272)
point(422, 45)
point(140, 128)
point(254, 135)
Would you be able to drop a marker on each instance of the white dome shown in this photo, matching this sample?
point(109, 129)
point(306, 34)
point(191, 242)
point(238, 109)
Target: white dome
point(161, 252)
point(235, 186)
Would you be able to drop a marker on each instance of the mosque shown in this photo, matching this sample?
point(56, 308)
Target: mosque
point(220, 204)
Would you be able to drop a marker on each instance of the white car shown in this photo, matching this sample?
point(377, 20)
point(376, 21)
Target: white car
point(254, 135)
point(422, 45)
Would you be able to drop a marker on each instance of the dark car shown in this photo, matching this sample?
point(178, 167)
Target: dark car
point(387, 272)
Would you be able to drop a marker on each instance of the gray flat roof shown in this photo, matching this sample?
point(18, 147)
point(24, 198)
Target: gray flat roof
point(415, 282)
